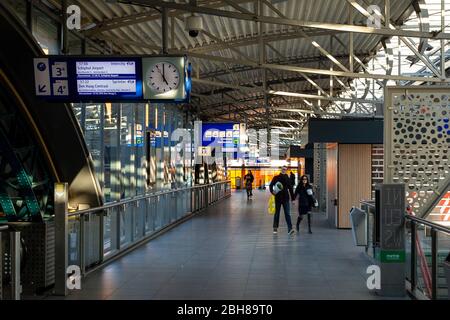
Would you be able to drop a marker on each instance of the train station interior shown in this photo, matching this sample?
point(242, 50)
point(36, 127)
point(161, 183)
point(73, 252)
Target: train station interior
point(225, 150)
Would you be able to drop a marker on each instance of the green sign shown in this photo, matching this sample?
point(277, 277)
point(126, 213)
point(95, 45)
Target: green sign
point(394, 256)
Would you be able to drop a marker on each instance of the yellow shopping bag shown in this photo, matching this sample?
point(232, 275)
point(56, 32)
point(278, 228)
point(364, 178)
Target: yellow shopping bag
point(271, 205)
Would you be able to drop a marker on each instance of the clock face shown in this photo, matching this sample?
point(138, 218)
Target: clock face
point(163, 77)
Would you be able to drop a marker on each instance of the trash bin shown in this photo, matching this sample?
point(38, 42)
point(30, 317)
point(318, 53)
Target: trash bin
point(447, 273)
point(358, 220)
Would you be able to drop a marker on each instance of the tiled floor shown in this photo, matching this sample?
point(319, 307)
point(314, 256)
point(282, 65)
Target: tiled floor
point(229, 252)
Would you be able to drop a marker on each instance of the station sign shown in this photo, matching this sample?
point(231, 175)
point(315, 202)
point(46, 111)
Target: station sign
point(102, 78)
point(230, 137)
point(226, 135)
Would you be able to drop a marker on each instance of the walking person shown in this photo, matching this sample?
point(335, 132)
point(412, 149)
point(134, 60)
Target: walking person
point(248, 178)
point(306, 201)
point(281, 187)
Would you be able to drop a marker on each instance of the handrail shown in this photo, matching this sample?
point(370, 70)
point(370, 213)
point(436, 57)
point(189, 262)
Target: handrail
point(429, 224)
point(368, 203)
point(138, 198)
point(429, 277)
point(418, 258)
point(4, 228)
point(175, 206)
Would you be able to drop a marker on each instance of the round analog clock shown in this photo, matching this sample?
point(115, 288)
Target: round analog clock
point(163, 77)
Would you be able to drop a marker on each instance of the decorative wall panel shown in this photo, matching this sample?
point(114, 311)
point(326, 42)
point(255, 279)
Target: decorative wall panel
point(417, 141)
point(377, 166)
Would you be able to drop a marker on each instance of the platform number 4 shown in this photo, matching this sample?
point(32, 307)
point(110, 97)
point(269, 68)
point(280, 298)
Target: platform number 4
point(60, 88)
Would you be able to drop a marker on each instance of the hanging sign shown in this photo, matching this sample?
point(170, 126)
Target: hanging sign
point(104, 78)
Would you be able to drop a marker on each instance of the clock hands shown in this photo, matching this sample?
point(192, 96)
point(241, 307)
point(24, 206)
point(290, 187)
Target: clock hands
point(167, 82)
point(163, 74)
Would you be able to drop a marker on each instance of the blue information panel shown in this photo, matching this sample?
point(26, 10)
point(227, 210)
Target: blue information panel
point(86, 79)
point(226, 135)
point(119, 79)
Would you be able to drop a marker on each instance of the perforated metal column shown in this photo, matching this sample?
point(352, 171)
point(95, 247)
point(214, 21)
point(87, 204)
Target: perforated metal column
point(417, 142)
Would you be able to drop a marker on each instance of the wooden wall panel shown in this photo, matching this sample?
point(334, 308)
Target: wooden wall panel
point(354, 179)
point(331, 180)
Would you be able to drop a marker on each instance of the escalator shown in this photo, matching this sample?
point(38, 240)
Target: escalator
point(51, 127)
point(40, 143)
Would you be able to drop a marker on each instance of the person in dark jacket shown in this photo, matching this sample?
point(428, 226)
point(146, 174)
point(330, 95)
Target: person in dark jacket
point(282, 198)
point(306, 201)
point(248, 178)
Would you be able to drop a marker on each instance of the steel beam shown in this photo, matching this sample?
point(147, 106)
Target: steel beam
point(290, 22)
point(142, 17)
point(233, 4)
point(164, 30)
point(318, 71)
point(253, 40)
point(280, 93)
point(406, 41)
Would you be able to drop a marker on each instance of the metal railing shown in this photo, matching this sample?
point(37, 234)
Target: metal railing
point(369, 207)
point(428, 251)
point(428, 244)
point(97, 235)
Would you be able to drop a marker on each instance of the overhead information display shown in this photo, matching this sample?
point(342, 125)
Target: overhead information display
point(230, 136)
point(86, 79)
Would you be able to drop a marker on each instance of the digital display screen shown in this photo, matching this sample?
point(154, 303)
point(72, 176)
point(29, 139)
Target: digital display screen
point(108, 79)
point(85, 79)
point(225, 134)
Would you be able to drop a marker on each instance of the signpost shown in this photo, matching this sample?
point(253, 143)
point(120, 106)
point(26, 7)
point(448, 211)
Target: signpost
point(391, 218)
point(102, 78)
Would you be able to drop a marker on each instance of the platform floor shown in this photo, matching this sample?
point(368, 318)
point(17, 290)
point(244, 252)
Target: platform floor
point(229, 252)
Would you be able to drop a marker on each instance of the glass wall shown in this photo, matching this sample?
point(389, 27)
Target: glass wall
point(45, 30)
point(131, 147)
point(20, 9)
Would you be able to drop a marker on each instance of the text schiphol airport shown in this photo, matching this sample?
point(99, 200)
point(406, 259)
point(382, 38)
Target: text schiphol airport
point(108, 68)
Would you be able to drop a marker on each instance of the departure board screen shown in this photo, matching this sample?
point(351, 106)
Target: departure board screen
point(110, 79)
point(78, 79)
point(106, 77)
